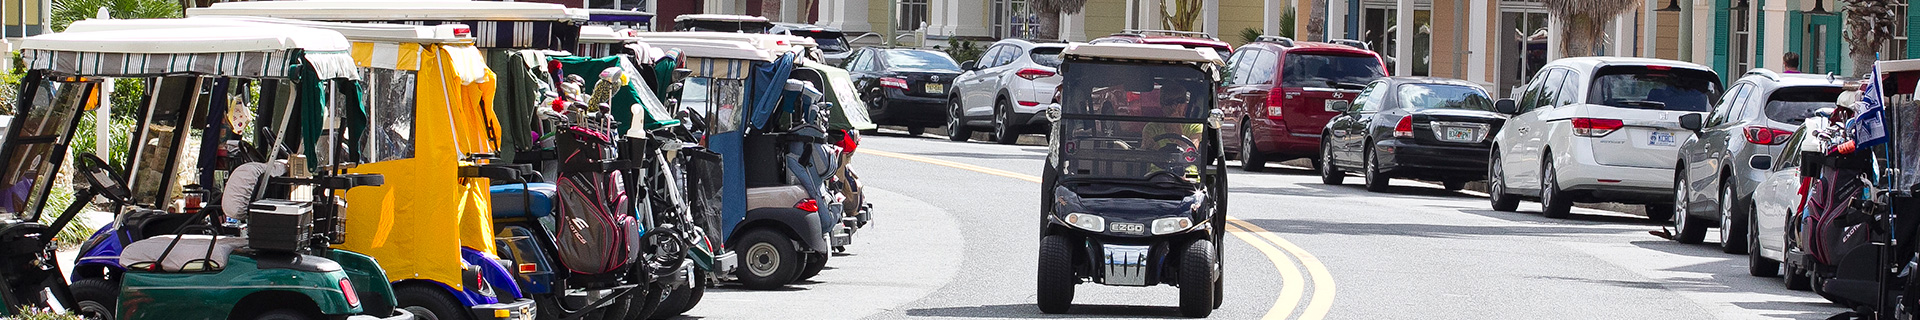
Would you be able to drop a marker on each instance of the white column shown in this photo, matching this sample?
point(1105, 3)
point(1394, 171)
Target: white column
point(970, 18)
point(1556, 30)
point(1210, 15)
point(1775, 14)
point(940, 17)
point(1648, 24)
point(1702, 33)
point(1337, 19)
point(1477, 60)
point(1073, 27)
point(1623, 37)
point(846, 15)
point(1270, 17)
point(1149, 14)
point(1403, 37)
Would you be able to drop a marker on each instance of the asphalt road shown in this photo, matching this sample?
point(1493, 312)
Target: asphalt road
point(954, 237)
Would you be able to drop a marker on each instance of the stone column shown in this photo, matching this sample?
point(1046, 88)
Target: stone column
point(1774, 14)
point(1403, 37)
point(1073, 27)
point(1479, 48)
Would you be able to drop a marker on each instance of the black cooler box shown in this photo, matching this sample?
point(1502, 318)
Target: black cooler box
point(279, 225)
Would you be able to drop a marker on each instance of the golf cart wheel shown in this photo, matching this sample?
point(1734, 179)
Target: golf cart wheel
point(1454, 185)
point(1797, 279)
point(96, 298)
point(682, 298)
point(916, 130)
point(429, 303)
point(767, 260)
point(1197, 270)
point(815, 263)
point(284, 314)
point(1054, 292)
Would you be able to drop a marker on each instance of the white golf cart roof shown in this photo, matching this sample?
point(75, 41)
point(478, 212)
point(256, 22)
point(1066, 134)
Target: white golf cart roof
point(138, 47)
point(1146, 52)
point(776, 44)
point(387, 10)
point(719, 17)
point(604, 34)
point(712, 49)
point(446, 33)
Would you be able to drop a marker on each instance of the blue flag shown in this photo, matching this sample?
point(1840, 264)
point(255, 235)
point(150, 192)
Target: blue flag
point(1870, 127)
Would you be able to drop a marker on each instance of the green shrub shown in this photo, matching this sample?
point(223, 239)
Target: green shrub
point(39, 314)
point(962, 50)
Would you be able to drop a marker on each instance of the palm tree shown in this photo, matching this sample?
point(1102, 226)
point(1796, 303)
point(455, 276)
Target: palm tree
point(1870, 24)
point(1184, 15)
point(1050, 11)
point(68, 11)
point(1586, 22)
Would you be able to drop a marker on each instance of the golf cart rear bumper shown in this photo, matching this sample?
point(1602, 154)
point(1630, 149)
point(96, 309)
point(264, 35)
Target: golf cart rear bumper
point(522, 309)
point(398, 314)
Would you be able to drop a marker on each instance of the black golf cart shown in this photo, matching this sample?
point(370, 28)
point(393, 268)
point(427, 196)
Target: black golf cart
point(1134, 192)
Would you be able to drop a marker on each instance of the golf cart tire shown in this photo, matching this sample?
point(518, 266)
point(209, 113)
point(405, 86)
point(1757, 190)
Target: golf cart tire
point(284, 314)
point(786, 265)
point(815, 263)
point(428, 302)
point(1196, 280)
point(1054, 291)
point(682, 299)
point(96, 298)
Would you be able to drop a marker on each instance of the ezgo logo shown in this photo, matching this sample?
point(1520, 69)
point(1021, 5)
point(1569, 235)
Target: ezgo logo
point(1132, 228)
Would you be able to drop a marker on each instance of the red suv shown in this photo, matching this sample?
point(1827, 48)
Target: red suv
point(1180, 38)
point(1277, 95)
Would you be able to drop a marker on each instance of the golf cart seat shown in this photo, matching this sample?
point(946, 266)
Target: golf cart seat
point(775, 197)
point(190, 255)
point(512, 200)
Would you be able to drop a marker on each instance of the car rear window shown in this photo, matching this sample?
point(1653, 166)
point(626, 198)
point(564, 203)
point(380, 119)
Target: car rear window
point(1325, 70)
point(1654, 88)
point(1047, 56)
point(1422, 96)
point(912, 59)
point(829, 41)
point(1793, 105)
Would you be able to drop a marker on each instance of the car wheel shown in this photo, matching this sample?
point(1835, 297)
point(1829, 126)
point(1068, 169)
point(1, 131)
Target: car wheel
point(1250, 158)
point(1733, 238)
point(1797, 279)
point(1054, 292)
point(96, 297)
point(956, 123)
point(283, 314)
point(1757, 264)
point(1687, 230)
point(1497, 186)
point(429, 303)
point(767, 260)
point(1375, 181)
point(1329, 174)
point(1003, 130)
point(1197, 270)
point(916, 130)
point(1553, 201)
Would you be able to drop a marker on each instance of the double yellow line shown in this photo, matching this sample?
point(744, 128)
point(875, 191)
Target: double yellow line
point(1281, 252)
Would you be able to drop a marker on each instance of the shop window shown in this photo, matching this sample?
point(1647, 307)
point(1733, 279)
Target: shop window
point(912, 13)
point(1014, 19)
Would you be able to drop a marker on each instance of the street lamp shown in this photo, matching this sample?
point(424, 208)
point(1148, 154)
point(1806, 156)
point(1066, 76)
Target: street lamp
point(1672, 6)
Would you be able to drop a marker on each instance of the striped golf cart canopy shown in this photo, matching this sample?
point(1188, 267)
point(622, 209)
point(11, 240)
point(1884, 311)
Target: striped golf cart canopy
point(158, 47)
point(394, 46)
point(719, 59)
point(521, 25)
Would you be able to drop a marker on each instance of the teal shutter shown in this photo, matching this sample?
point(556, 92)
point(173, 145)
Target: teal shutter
point(1796, 26)
point(1913, 48)
point(1832, 22)
point(1722, 32)
point(1759, 42)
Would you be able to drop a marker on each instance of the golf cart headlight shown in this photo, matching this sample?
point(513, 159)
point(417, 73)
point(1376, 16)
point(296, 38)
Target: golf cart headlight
point(1170, 225)
point(1087, 221)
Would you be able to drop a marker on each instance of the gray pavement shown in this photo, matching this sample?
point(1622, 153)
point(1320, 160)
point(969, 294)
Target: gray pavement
point(955, 237)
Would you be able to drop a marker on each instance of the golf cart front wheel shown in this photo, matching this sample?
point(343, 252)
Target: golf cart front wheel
point(1197, 274)
point(97, 298)
point(682, 298)
point(429, 303)
point(767, 260)
point(1054, 290)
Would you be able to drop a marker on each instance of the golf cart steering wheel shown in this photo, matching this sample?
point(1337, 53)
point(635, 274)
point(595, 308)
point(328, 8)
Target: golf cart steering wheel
point(1186, 146)
point(102, 177)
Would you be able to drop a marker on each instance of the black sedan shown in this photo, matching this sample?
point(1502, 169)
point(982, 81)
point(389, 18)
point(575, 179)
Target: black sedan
point(904, 87)
point(1411, 127)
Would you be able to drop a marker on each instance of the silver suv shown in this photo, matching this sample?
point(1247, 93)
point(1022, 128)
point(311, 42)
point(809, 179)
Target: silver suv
point(1004, 89)
point(1734, 147)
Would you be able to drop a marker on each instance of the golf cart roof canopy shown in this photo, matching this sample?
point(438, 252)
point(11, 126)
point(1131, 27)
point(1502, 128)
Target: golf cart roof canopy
point(217, 47)
point(604, 34)
point(614, 15)
point(719, 17)
point(778, 42)
point(387, 10)
point(1140, 52)
point(745, 46)
point(713, 49)
point(446, 33)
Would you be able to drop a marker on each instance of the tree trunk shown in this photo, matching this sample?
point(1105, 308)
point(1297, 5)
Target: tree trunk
point(1584, 34)
point(1049, 24)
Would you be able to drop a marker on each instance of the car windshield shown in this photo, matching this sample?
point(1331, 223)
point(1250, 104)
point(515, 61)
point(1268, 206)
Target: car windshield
point(1794, 105)
point(1047, 56)
point(829, 41)
point(1133, 121)
point(915, 59)
point(1654, 88)
point(1422, 96)
point(1326, 70)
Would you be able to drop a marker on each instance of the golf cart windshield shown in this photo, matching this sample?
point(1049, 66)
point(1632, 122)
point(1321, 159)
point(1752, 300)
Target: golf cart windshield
point(1133, 121)
point(45, 125)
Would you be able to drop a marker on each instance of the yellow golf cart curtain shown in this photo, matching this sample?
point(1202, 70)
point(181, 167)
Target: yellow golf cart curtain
point(417, 222)
point(719, 68)
point(255, 64)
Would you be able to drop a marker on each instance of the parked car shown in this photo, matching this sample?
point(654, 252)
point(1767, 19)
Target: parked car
point(1004, 90)
point(1188, 39)
point(906, 87)
point(1278, 95)
point(1411, 127)
point(833, 43)
point(1775, 200)
point(1597, 129)
point(721, 23)
point(1735, 144)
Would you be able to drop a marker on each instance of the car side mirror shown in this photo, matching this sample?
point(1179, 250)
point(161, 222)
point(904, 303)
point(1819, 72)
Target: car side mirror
point(1506, 106)
point(968, 65)
point(1215, 117)
point(1053, 112)
point(1690, 121)
point(1341, 106)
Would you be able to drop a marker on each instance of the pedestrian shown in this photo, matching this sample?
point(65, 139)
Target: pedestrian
point(1793, 62)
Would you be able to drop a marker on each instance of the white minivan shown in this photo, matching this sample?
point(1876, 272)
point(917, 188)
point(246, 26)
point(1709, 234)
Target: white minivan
point(1597, 129)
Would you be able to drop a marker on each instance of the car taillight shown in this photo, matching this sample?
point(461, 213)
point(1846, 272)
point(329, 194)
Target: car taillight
point(896, 83)
point(809, 205)
point(1031, 74)
point(1595, 128)
point(1767, 136)
point(1275, 100)
point(346, 289)
point(1404, 129)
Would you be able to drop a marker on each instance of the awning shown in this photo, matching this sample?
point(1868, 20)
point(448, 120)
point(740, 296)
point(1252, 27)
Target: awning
point(553, 35)
point(256, 64)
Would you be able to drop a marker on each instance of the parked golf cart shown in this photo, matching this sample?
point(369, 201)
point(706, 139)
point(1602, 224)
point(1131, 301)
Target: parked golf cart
point(240, 231)
point(1134, 196)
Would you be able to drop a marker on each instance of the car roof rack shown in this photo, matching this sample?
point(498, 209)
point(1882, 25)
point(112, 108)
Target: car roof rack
point(1170, 33)
point(1282, 41)
point(1770, 74)
point(1362, 45)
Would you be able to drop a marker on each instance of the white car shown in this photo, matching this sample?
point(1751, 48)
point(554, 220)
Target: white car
point(1003, 91)
point(1597, 129)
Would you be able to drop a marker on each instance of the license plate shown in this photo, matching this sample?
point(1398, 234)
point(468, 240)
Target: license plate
point(934, 88)
point(1459, 134)
point(1329, 105)
point(1659, 138)
point(1127, 227)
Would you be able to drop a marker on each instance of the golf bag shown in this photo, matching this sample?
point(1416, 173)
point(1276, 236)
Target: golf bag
point(597, 231)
